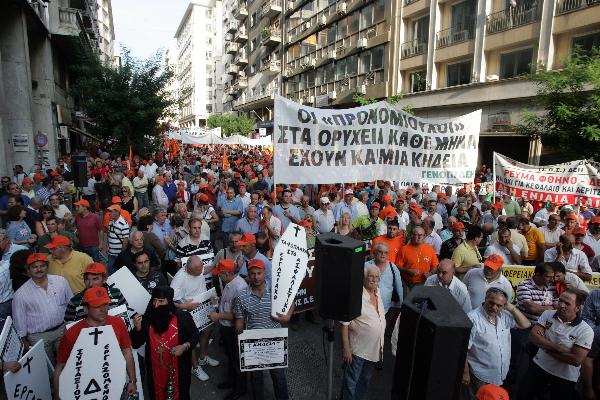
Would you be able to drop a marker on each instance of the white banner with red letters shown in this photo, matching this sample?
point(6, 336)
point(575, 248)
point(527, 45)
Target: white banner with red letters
point(575, 182)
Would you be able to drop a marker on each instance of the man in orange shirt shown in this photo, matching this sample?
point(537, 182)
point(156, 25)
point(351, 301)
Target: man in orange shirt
point(535, 242)
point(394, 239)
point(387, 209)
point(116, 200)
point(417, 261)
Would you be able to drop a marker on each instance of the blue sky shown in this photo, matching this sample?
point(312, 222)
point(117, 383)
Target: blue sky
point(147, 25)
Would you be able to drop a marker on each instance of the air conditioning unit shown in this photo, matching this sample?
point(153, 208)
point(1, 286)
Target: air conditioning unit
point(492, 78)
point(312, 63)
point(331, 54)
point(63, 132)
point(333, 95)
point(323, 20)
point(362, 43)
point(362, 89)
point(341, 8)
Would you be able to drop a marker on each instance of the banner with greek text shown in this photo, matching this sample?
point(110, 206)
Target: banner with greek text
point(570, 183)
point(376, 141)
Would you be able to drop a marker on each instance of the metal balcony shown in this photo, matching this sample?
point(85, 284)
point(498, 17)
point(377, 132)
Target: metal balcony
point(271, 67)
point(567, 6)
point(412, 48)
point(232, 48)
point(69, 19)
point(240, 84)
point(232, 26)
point(271, 8)
point(270, 37)
point(241, 59)
point(241, 36)
point(231, 69)
point(456, 34)
point(512, 17)
point(241, 13)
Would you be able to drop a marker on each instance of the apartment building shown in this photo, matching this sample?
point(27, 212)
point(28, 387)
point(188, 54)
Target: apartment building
point(457, 56)
point(253, 45)
point(106, 31)
point(198, 66)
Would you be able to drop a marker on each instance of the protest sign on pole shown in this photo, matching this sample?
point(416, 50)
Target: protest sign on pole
point(305, 298)
point(32, 380)
point(263, 349)
point(11, 345)
point(570, 183)
point(288, 268)
point(205, 307)
point(376, 141)
point(137, 297)
point(96, 367)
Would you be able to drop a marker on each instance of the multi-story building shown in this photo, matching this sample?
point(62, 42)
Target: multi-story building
point(459, 56)
point(254, 48)
point(197, 67)
point(38, 42)
point(106, 31)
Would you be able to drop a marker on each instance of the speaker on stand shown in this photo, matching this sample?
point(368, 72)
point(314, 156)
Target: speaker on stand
point(79, 170)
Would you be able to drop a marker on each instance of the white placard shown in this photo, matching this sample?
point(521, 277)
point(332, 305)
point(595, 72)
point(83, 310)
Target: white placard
point(200, 313)
point(32, 380)
point(263, 349)
point(290, 258)
point(375, 141)
point(96, 367)
point(11, 346)
point(137, 297)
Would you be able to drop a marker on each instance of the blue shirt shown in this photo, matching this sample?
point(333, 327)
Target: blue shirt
point(12, 249)
point(258, 256)
point(230, 221)
point(18, 231)
point(162, 230)
point(244, 226)
point(170, 190)
point(342, 208)
point(285, 221)
point(387, 285)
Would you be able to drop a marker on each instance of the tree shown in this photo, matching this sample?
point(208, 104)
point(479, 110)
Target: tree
point(125, 103)
point(361, 100)
point(232, 124)
point(570, 99)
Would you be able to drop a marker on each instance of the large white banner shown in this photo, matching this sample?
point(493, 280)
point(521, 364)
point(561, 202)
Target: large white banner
point(571, 183)
point(376, 141)
point(290, 259)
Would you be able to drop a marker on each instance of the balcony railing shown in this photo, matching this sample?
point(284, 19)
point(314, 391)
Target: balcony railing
point(271, 8)
point(232, 26)
point(412, 48)
point(567, 6)
point(267, 92)
point(409, 2)
point(271, 66)
point(241, 12)
point(512, 17)
point(270, 36)
point(456, 34)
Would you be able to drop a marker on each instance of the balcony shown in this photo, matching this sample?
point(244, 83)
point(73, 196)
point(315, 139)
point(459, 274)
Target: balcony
point(232, 48)
point(232, 26)
point(241, 36)
point(241, 13)
point(270, 37)
point(567, 6)
point(69, 21)
point(412, 48)
point(240, 84)
point(512, 18)
point(271, 67)
point(270, 9)
point(241, 59)
point(456, 34)
point(231, 69)
point(261, 97)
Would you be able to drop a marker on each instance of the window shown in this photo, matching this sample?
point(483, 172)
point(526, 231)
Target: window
point(353, 23)
point(377, 58)
point(209, 108)
point(209, 82)
point(331, 34)
point(208, 13)
point(379, 11)
point(340, 69)
point(366, 17)
point(587, 42)
point(342, 28)
point(208, 69)
point(515, 63)
point(459, 73)
point(352, 65)
point(208, 40)
point(329, 72)
point(420, 30)
point(417, 81)
point(463, 15)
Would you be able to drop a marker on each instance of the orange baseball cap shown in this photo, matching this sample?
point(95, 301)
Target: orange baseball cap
point(202, 186)
point(579, 230)
point(442, 196)
point(256, 264)
point(458, 225)
point(595, 220)
point(203, 197)
point(54, 173)
point(37, 257)
point(96, 297)
point(491, 392)
point(82, 202)
point(27, 180)
point(494, 261)
point(279, 189)
point(58, 240)
point(415, 208)
point(160, 179)
point(305, 223)
point(95, 268)
point(224, 265)
point(114, 207)
point(571, 216)
point(375, 204)
point(386, 198)
point(498, 205)
point(116, 200)
point(247, 238)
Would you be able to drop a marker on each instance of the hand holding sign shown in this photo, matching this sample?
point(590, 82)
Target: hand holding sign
point(290, 258)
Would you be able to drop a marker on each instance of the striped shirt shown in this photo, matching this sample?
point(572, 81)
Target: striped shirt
point(230, 293)
point(6, 290)
point(529, 291)
point(35, 310)
point(254, 310)
point(203, 249)
point(75, 311)
point(118, 231)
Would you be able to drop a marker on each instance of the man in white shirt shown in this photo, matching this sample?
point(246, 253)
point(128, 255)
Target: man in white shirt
point(431, 212)
point(552, 231)
point(149, 169)
point(244, 195)
point(573, 259)
point(324, 219)
point(446, 279)
point(188, 283)
point(159, 197)
point(361, 204)
point(479, 280)
point(489, 349)
point(140, 187)
point(431, 236)
point(592, 239)
point(541, 217)
point(505, 248)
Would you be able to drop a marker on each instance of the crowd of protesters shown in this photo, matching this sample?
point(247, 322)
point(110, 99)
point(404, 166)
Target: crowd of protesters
point(219, 209)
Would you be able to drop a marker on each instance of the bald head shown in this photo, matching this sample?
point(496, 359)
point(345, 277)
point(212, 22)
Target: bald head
point(446, 270)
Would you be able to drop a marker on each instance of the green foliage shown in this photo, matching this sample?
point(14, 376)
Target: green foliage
point(361, 100)
point(570, 99)
point(232, 124)
point(125, 103)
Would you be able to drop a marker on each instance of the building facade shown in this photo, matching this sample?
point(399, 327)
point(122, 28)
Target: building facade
point(106, 32)
point(38, 43)
point(198, 66)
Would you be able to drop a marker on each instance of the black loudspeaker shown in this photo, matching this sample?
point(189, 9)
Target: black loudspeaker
point(79, 170)
point(432, 346)
point(339, 273)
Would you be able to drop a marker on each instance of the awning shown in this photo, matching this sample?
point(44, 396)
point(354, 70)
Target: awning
point(84, 133)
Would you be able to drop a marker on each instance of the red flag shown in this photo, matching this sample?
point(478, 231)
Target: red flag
point(225, 161)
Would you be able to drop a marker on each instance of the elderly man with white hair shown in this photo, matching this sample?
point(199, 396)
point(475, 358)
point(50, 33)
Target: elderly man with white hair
point(362, 339)
point(390, 281)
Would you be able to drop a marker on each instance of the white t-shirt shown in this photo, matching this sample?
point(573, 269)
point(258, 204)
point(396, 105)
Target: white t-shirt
point(577, 261)
point(187, 286)
point(502, 251)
